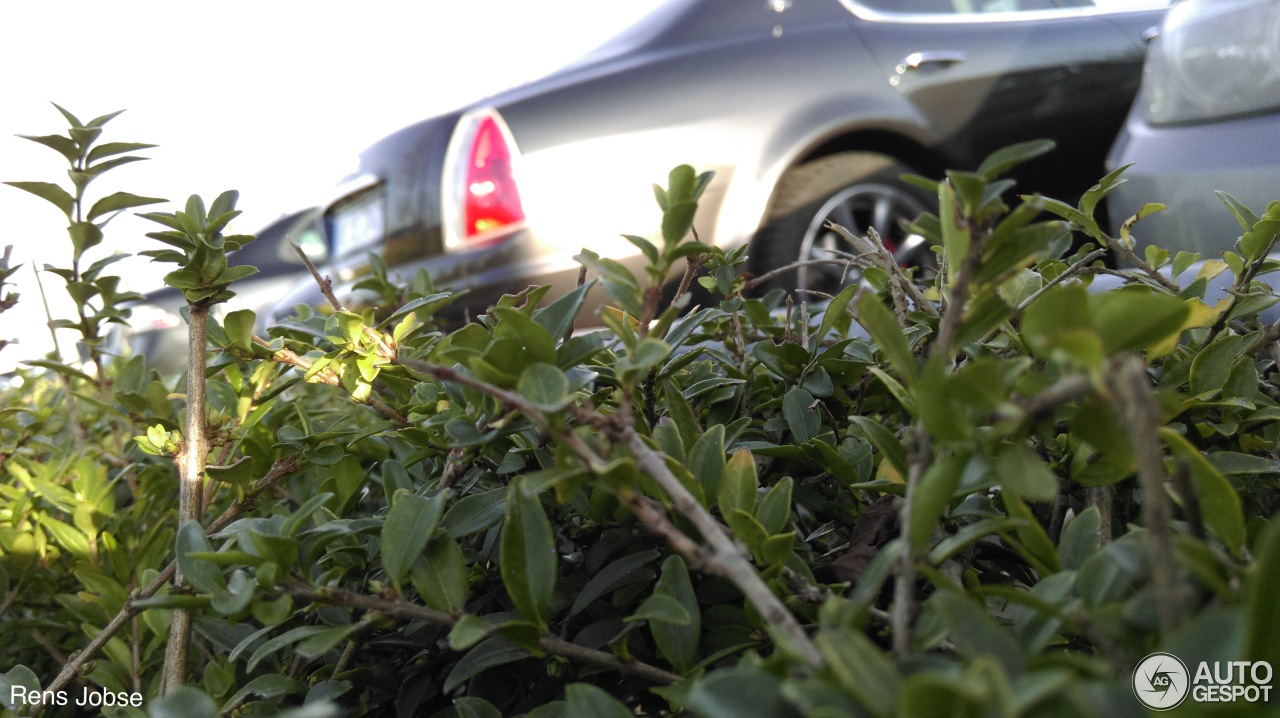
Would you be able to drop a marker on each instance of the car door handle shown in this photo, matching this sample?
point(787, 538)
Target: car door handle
point(933, 58)
point(1151, 33)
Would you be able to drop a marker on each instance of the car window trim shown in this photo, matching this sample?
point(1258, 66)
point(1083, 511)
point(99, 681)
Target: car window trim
point(870, 15)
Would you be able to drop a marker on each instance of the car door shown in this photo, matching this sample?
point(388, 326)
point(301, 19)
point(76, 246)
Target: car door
point(983, 74)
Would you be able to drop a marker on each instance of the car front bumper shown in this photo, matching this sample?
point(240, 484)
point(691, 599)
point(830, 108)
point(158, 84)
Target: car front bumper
point(1182, 166)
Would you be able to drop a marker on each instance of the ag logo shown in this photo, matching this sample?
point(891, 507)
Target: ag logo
point(1161, 681)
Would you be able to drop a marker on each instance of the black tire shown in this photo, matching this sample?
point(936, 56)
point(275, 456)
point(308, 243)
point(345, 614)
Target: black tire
point(854, 189)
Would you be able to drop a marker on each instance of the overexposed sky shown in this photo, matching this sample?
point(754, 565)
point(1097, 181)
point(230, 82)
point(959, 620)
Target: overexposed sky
point(273, 98)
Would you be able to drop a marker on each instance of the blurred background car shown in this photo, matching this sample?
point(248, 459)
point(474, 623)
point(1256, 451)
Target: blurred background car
point(806, 110)
point(1207, 118)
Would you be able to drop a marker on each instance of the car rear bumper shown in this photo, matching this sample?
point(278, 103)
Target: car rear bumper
point(1182, 166)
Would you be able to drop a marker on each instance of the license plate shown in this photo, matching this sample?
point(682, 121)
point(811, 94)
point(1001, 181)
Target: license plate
point(357, 224)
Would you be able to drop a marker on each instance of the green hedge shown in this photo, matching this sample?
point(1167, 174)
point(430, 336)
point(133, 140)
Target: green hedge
point(988, 491)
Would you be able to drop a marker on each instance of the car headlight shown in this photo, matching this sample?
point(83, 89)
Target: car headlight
point(1214, 59)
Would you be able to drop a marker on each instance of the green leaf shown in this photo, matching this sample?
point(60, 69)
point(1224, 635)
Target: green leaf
point(468, 631)
point(321, 642)
point(1006, 158)
point(272, 685)
point(861, 668)
point(677, 221)
point(739, 692)
point(774, 511)
point(203, 575)
point(1086, 223)
point(514, 324)
point(84, 236)
point(1112, 315)
point(490, 653)
point(662, 609)
point(1242, 213)
point(183, 702)
point(528, 556)
point(49, 192)
point(933, 495)
point(740, 484)
point(235, 274)
point(559, 316)
point(545, 386)
point(1081, 539)
point(584, 699)
point(787, 360)
point(475, 513)
point(236, 599)
point(625, 571)
point(67, 536)
point(118, 201)
point(441, 575)
point(1262, 611)
point(801, 415)
point(1219, 504)
point(405, 534)
point(706, 459)
point(473, 707)
point(64, 146)
point(977, 634)
point(884, 441)
point(1038, 548)
point(648, 353)
point(279, 549)
point(888, 336)
point(108, 149)
point(19, 677)
point(678, 644)
point(955, 233)
point(239, 328)
point(1022, 471)
point(1212, 365)
point(288, 638)
point(837, 309)
point(966, 536)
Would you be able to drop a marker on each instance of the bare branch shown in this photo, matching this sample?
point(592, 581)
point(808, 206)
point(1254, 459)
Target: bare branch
point(1124, 252)
point(1136, 404)
point(403, 610)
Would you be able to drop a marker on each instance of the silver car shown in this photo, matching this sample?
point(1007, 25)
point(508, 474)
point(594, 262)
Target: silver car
point(1207, 118)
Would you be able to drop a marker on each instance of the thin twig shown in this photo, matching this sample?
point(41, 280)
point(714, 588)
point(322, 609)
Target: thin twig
point(326, 376)
point(401, 609)
point(1241, 284)
point(1136, 404)
point(1069, 272)
point(77, 430)
point(1127, 254)
point(725, 557)
point(326, 287)
point(762, 278)
point(904, 583)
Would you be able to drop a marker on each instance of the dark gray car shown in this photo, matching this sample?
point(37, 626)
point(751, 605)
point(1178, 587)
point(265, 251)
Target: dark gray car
point(805, 109)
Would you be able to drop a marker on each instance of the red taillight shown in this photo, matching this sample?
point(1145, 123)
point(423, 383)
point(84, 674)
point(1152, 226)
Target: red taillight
point(490, 200)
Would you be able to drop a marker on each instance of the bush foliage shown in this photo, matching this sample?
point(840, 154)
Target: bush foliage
point(990, 491)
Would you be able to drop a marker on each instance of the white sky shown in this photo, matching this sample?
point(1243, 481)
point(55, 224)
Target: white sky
point(273, 98)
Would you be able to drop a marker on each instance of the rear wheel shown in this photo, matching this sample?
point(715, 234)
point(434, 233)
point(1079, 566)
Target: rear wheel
point(856, 190)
